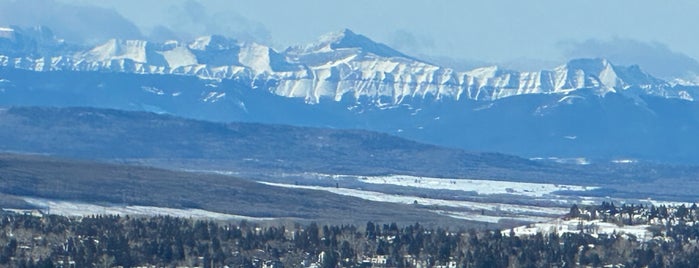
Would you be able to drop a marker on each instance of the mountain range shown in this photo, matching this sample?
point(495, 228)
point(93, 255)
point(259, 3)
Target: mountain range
point(584, 109)
point(339, 65)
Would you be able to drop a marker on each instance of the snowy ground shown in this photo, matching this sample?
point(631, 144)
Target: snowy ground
point(487, 201)
point(490, 201)
point(483, 187)
point(475, 210)
point(573, 226)
point(68, 208)
point(475, 216)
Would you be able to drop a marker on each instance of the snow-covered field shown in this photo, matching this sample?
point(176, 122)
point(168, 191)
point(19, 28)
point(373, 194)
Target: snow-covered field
point(595, 227)
point(483, 187)
point(475, 216)
point(68, 208)
point(496, 211)
point(501, 200)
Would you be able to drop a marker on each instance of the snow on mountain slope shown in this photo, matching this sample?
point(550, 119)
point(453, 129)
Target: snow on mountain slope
point(178, 56)
point(118, 49)
point(346, 39)
point(338, 66)
point(7, 33)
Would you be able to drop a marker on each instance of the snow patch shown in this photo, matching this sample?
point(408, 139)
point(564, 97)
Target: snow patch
point(178, 57)
point(685, 95)
point(624, 161)
point(482, 187)
point(214, 96)
point(153, 90)
point(570, 99)
point(70, 208)
point(566, 160)
point(594, 227)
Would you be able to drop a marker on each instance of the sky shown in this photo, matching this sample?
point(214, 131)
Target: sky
point(520, 34)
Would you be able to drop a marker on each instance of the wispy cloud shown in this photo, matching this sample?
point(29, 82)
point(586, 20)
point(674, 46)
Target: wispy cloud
point(191, 19)
point(409, 42)
point(77, 23)
point(183, 20)
point(656, 58)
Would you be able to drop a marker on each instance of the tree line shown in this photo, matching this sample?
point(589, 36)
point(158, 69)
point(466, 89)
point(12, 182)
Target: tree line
point(109, 241)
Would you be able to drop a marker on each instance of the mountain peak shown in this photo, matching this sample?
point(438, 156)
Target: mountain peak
point(601, 72)
point(31, 41)
point(347, 39)
point(7, 33)
point(119, 49)
point(343, 36)
point(589, 64)
point(213, 42)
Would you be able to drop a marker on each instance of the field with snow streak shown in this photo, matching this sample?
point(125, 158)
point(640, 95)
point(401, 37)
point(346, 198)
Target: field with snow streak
point(505, 211)
point(71, 208)
point(482, 187)
point(504, 203)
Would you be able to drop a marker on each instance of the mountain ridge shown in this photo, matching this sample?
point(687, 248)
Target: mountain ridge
point(133, 136)
point(587, 109)
point(114, 134)
point(341, 65)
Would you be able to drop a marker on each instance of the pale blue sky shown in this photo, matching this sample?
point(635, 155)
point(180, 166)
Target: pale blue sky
point(487, 30)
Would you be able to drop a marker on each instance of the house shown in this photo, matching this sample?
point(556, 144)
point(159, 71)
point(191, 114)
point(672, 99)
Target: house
point(379, 259)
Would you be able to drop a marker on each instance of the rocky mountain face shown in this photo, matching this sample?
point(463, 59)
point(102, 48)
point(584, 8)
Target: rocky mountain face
point(339, 65)
point(584, 109)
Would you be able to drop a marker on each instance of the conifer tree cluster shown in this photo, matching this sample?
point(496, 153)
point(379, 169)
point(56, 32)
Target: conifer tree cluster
point(112, 241)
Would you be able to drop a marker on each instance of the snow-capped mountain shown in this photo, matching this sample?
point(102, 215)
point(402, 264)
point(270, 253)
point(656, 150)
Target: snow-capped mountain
point(585, 108)
point(338, 66)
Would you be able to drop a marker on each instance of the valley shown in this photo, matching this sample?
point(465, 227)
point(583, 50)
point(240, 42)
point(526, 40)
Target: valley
point(67, 186)
point(210, 134)
point(486, 190)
